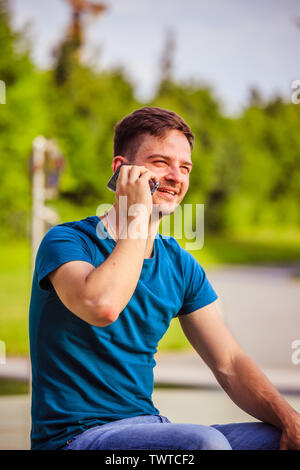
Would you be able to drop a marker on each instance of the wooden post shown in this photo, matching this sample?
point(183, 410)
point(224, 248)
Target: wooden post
point(43, 216)
point(38, 194)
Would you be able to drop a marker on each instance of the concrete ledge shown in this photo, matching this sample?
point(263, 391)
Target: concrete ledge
point(15, 368)
point(185, 369)
point(188, 369)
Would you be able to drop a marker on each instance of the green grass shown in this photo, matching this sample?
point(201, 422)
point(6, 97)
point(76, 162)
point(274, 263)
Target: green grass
point(14, 387)
point(15, 276)
point(15, 285)
point(174, 339)
point(255, 249)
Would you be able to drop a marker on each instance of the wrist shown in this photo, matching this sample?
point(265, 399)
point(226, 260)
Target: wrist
point(288, 419)
point(283, 414)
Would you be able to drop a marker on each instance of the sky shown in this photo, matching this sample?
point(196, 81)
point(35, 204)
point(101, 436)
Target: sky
point(231, 45)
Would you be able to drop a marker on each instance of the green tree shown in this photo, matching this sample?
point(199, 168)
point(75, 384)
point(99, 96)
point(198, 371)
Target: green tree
point(21, 118)
point(84, 110)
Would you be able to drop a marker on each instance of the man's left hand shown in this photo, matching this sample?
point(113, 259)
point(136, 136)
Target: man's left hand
point(290, 438)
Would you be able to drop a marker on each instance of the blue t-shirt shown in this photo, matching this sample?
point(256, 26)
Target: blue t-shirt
point(83, 375)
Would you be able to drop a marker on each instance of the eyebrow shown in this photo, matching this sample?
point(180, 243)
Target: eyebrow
point(166, 157)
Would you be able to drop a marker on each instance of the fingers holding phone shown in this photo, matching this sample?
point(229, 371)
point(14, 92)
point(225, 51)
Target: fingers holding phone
point(134, 182)
point(111, 185)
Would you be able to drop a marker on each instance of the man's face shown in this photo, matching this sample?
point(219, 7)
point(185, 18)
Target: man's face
point(170, 159)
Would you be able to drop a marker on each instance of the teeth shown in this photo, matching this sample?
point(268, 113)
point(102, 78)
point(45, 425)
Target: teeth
point(166, 191)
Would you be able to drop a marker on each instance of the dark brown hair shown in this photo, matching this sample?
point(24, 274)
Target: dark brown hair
point(148, 120)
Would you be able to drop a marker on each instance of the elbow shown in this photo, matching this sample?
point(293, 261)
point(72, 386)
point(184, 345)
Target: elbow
point(229, 369)
point(107, 315)
point(100, 312)
point(103, 315)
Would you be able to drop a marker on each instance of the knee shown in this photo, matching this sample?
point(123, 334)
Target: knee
point(215, 440)
point(206, 438)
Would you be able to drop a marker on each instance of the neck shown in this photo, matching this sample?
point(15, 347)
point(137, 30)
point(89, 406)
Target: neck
point(117, 223)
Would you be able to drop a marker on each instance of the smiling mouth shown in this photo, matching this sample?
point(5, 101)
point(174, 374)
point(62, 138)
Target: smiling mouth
point(167, 191)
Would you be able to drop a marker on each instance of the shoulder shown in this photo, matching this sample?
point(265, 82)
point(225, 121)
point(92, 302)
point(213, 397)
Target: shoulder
point(74, 229)
point(60, 232)
point(61, 244)
point(66, 236)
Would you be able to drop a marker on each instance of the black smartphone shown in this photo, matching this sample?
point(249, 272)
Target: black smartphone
point(113, 181)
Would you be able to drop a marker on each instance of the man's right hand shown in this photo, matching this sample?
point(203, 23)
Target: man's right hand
point(134, 183)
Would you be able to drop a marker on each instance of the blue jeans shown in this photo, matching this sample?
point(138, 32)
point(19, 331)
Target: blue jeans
point(157, 432)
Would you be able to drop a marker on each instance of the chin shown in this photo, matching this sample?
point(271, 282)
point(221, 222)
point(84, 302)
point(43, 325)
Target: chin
point(165, 208)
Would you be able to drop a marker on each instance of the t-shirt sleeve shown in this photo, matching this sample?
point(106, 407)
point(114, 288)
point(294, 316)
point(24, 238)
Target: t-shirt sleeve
point(198, 289)
point(60, 245)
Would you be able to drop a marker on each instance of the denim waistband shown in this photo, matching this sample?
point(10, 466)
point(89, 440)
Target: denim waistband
point(140, 419)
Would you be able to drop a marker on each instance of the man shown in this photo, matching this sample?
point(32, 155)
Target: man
point(104, 292)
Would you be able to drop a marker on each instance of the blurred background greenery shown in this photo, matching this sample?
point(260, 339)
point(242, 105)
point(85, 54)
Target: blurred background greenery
point(246, 168)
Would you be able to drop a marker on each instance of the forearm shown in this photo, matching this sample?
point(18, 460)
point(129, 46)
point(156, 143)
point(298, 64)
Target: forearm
point(250, 389)
point(113, 282)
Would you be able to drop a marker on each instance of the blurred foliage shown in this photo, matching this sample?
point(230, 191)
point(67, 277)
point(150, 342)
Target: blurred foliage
point(246, 169)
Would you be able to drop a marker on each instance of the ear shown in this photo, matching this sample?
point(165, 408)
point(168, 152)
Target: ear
point(117, 161)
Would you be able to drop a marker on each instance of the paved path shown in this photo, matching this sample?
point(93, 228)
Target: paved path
point(15, 422)
point(261, 307)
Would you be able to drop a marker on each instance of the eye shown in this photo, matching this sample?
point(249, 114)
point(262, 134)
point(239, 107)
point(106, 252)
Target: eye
point(160, 162)
point(186, 168)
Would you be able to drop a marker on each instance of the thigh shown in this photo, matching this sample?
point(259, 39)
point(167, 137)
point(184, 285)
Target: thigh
point(251, 436)
point(149, 433)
